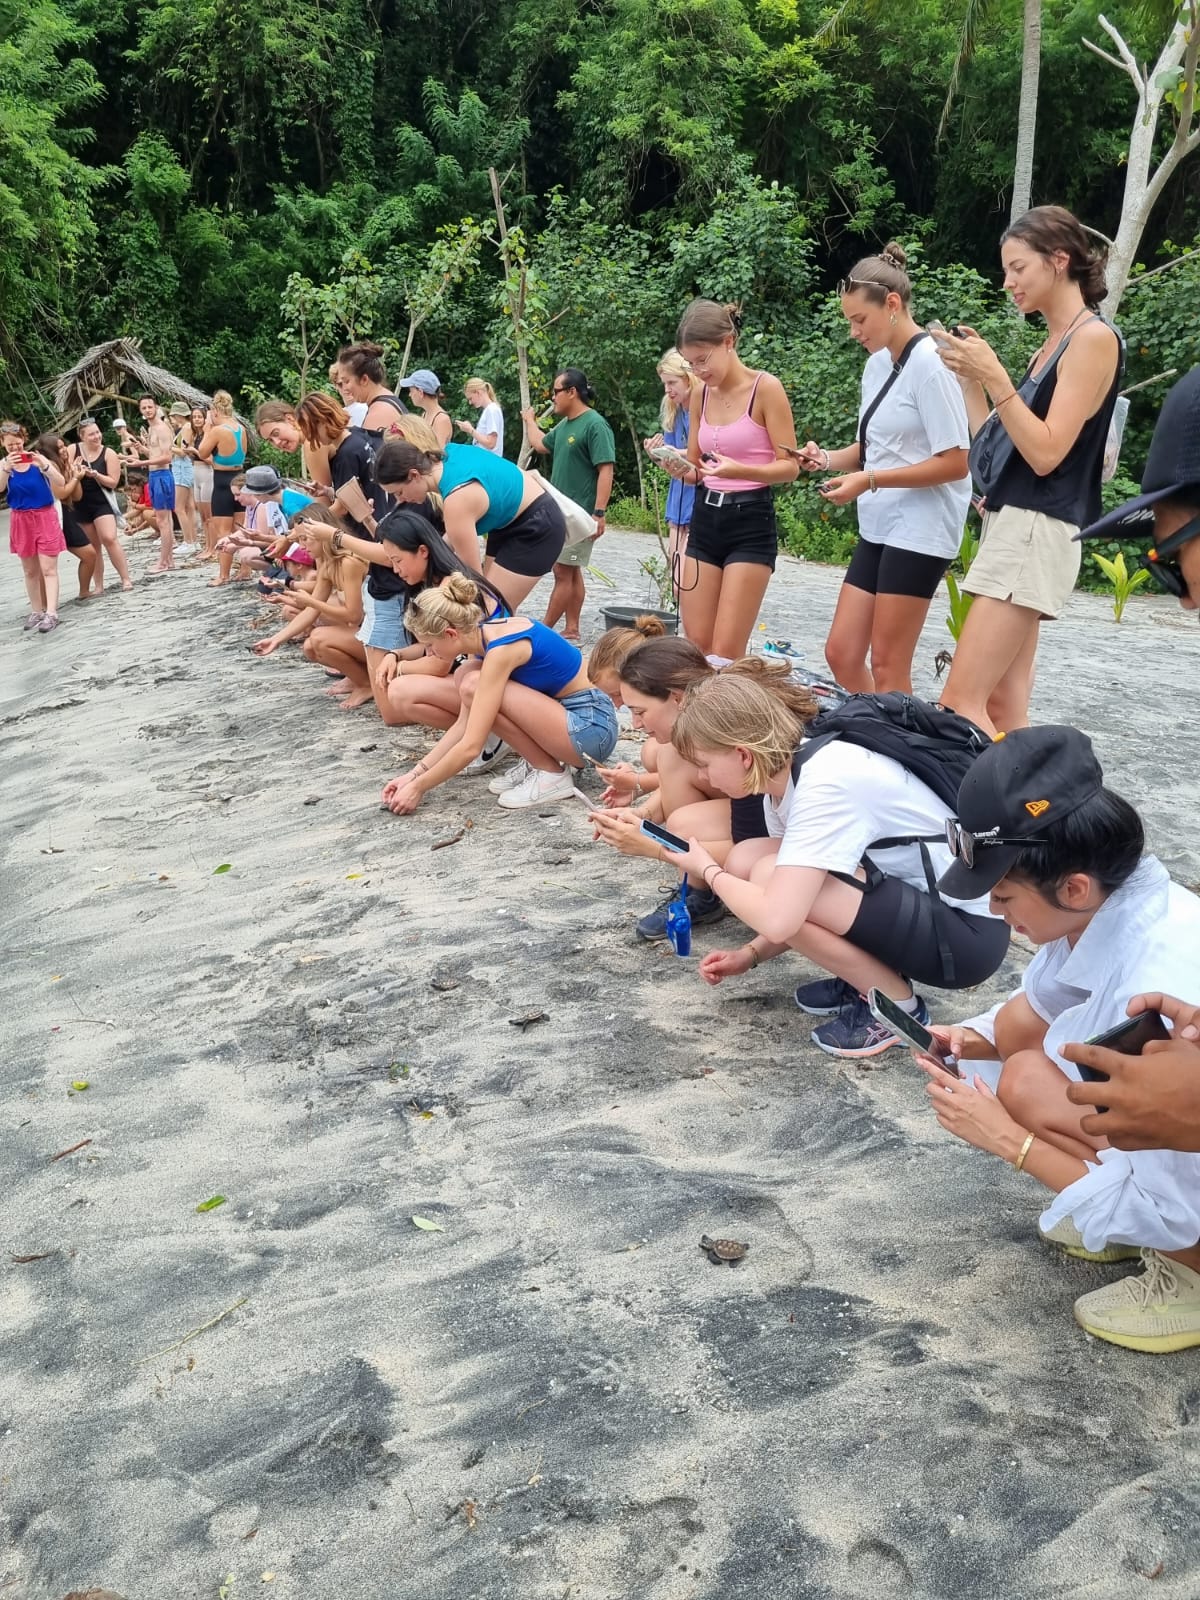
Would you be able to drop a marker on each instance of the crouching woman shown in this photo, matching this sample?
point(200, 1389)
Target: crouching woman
point(831, 881)
point(529, 687)
point(1062, 857)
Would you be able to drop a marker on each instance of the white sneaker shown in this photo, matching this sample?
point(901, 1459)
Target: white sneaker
point(1067, 1237)
point(185, 549)
point(516, 775)
point(489, 757)
point(538, 788)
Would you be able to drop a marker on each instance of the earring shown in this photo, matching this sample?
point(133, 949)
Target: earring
point(893, 319)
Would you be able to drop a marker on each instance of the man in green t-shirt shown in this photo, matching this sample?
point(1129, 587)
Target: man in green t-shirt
point(582, 452)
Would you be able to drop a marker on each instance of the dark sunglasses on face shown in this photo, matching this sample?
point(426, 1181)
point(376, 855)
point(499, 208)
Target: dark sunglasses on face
point(963, 844)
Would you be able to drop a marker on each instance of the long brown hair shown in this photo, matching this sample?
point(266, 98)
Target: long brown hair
point(320, 419)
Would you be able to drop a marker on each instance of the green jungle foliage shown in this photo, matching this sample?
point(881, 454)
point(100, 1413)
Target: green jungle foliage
point(242, 184)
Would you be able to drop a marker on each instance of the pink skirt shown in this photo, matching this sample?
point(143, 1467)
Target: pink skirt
point(36, 533)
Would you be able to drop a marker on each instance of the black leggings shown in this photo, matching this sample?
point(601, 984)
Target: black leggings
point(896, 924)
point(883, 569)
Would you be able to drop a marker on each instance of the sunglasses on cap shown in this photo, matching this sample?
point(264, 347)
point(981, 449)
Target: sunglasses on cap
point(962, 843)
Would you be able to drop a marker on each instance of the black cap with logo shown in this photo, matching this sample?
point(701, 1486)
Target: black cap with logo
point(1172, 465)
point(1024, 783)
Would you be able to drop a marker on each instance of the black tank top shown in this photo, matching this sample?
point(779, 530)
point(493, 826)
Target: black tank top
point(1071, 493)
point(92, 502)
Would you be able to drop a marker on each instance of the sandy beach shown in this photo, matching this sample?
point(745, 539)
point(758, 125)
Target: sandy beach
point(279, 994)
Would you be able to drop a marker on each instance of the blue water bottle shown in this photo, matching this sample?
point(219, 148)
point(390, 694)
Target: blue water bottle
point(679, 922)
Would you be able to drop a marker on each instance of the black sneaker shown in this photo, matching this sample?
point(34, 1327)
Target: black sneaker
point(824, 997)
point(855, 1033)
point(703, 906)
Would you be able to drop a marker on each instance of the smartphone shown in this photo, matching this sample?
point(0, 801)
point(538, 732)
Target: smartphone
point(894, 1016)
point(707, 455)
point(656, 831)
point(1129, 1037)
point(824, 488)
point(24, 458)
point(667, 453)
point(586, 798)
point(934, 326)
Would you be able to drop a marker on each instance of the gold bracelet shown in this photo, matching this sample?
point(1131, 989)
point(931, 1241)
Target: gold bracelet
point(1019, 1163)
point(754, 956)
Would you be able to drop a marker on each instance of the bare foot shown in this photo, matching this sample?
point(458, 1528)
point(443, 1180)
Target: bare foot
point(573, 637)
point(126, 586)
point(157, 571)
point(215, 583)
point(360, 697)
point(343, 686)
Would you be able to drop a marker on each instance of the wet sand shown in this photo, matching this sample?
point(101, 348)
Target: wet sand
point(553, 1395)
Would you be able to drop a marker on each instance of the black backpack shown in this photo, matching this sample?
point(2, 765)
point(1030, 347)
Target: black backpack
point(937, 746)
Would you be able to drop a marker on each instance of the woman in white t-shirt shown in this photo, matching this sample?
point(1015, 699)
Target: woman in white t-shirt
point(908, 472)
point(488, 432)
point(818, 884)
point(1062, 858)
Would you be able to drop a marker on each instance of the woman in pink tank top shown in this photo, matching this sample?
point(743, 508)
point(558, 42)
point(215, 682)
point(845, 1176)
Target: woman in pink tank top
point(742, 442)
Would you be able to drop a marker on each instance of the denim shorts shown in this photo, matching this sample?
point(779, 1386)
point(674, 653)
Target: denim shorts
point(591, 723)
point(382, 623)
point(183, 470)
point(162, 489)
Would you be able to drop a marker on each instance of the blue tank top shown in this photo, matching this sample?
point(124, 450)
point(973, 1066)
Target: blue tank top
point(554, 660)
point(502, 481)
point(238, 457)
point(28, 490)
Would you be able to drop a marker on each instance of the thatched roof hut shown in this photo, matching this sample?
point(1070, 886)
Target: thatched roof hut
point(116, 371)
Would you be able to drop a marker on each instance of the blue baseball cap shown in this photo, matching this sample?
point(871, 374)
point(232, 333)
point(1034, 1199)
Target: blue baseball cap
point(428, 382)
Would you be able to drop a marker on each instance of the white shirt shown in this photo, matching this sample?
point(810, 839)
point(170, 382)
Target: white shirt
point(847, 798)
point(922, 414)
point(1144, 938)
point(357, 412)
point(491, 420)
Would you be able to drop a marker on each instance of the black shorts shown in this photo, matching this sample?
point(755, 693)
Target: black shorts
point(747, 819)
point(532, 542)
point(896, 925)
point(883, 569)
point(223, 503)
point(73, 533)
point(738, 530)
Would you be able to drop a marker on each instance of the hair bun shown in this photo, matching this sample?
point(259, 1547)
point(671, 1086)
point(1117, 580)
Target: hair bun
point(461, 589)
point(894, 254)
point(650, 627)
point(735, 316)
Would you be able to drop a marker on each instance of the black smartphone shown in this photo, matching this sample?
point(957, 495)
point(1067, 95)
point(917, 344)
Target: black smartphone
point(1129, 1037)
point(655, 830)
point(707, 455)
point(895, 1017)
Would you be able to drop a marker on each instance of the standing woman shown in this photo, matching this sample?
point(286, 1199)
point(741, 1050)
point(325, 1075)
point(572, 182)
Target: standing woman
point(183, 471)
point(425, 392)
point(224, 446)
point(740, 433)
point(908, 472)
point(202, 480)
point(95, 509)
point(674, 415)
point(1037, 457)
point(488, 432)
point(33, 482)
point(55, 449)
point(481, 494)
point(361, 381)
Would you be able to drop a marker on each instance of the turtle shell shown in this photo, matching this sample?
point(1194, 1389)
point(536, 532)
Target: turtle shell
point(729, 1250)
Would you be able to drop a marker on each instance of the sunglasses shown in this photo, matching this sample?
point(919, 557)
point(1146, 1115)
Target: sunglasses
point(846, 285)
point(963, 844)
point(1167, 573)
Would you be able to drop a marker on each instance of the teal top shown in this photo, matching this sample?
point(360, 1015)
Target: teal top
point(503, 482)
point(238, 457)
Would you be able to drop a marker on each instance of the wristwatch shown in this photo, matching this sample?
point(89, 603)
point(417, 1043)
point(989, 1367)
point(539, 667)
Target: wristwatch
point(600, 511)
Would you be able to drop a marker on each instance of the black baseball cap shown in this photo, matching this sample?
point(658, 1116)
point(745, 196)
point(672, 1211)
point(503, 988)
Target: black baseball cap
point(1172, 465)
point(1024, 783)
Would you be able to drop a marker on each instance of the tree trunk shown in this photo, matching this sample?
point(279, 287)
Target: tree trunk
point(408, 344)
point(1031, 66)
point(515, 295)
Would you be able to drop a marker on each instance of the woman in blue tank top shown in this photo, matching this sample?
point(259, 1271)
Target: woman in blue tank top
point(529, 684)
point(483, 494)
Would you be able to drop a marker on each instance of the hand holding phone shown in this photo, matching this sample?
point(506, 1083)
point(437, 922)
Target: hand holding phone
point(1128, 1038)
point(914, 1033)
point(663, 836)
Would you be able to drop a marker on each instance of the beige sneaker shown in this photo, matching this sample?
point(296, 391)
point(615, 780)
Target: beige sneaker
point(1157, 1312)
point(1067, 1237)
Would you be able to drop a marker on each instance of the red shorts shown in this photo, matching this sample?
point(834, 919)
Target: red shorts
point(36, 533)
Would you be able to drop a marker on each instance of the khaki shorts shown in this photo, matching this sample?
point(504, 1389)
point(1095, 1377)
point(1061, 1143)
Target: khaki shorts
point(576, 555)
point(1027, 558)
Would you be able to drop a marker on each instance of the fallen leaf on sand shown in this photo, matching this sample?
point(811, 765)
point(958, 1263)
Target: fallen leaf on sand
point(56, 977)
point(351, 876)
point(211, 1203)
point(226, 866)
point(23, 1261)
point(80, 1084)
point(427, 1226)
point(268, 1577)
point(441, 844)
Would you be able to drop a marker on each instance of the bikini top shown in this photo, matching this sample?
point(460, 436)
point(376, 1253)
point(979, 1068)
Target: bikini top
point(237, 457)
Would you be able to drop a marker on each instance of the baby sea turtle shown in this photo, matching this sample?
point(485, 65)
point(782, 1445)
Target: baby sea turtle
point(723, 1250)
